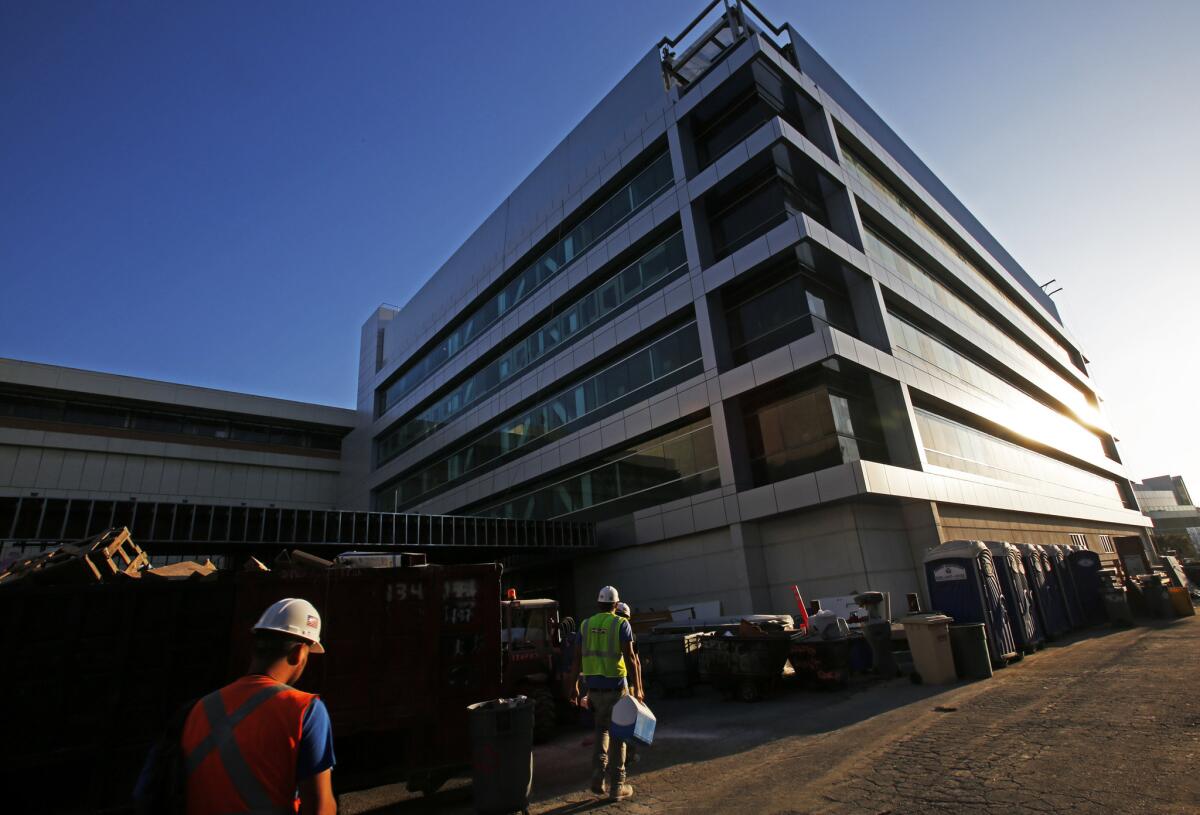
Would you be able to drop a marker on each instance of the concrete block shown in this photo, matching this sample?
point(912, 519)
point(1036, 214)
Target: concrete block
point(638, 423)
point(797, 493)
point(758, 502)
point(648, 529)
point(835, 482)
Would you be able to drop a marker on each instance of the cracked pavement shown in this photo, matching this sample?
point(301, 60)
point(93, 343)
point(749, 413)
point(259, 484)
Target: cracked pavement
point(1107, 722)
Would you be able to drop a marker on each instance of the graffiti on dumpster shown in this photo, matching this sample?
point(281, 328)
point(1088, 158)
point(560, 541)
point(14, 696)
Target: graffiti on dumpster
point(459, 601)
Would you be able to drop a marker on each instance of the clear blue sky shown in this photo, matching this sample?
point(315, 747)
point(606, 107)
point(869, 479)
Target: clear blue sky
point(220, 193)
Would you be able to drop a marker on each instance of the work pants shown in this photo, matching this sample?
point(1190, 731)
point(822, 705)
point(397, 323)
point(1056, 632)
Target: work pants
point(608, 755)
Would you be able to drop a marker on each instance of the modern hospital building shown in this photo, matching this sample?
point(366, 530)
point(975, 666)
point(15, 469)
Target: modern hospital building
point(734, 320)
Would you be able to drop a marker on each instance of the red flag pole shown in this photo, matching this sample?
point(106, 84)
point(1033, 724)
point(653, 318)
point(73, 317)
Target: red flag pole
point(801, 608)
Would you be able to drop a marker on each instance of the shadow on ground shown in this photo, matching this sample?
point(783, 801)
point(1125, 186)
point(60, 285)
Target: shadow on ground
point(702, 727)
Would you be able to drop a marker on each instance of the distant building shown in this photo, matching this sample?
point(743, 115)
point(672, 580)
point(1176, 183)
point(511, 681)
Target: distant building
point(1165, 498)
point(81, 450)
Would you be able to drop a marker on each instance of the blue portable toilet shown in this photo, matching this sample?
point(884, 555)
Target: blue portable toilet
point(1085, 568)
point(963, 583)
point(1018, 598)
point(1047, 599)
point(1066, 583)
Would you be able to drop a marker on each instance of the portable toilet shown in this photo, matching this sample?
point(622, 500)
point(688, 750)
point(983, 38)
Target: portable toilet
point(963, 583)
point(1018, 599)
point(1066, 583)
point(1085, 568)
point(1047, 599)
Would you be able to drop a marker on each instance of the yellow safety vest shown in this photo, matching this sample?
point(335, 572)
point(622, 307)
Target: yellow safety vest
point(601, 635)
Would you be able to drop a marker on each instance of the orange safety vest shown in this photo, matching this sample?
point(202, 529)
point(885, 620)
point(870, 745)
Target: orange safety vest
point(240, 746)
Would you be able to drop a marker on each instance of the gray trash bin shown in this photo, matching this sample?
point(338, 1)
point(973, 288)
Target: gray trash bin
point(1117, 606)
point(969, 643)
point(502, 755)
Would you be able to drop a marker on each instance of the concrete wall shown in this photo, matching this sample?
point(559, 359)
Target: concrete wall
point(979, 523)
point(80, 466)
point(683, 570)
point(838, 550)
point(751, 567)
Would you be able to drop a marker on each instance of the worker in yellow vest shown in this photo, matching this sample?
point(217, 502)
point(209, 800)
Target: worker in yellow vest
point(604, 656)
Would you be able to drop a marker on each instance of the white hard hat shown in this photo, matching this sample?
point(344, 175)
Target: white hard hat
point(623, 610)
point(296, 617)
point(608, 594)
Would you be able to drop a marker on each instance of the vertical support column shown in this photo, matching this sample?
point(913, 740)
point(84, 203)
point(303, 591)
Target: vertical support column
point(744, 538)
point(923, 524)
point(898, 422)
point(733, 455)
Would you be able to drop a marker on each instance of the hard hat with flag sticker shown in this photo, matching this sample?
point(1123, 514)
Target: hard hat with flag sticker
point(295, 617)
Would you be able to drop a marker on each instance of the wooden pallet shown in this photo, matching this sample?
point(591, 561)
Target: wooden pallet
point(111, 555)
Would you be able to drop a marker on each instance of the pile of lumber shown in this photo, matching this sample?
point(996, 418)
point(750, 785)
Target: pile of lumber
point(111, 555)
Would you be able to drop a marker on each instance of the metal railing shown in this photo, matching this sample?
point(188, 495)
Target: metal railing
point(730, 26)
point(163, 527)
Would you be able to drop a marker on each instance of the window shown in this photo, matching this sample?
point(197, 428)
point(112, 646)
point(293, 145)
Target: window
point(780, 183)
point(1010, 305)
point(780, 305)
point(1106, 543)
point(676, 355)
point(596, 225)
point(660, 264)
point(1024, 413)
point(1079, 541)
point(1002, 345)
point(678, 464)
point(819, 418)
point(161, 422)
point(955, 446)
point(97, 415)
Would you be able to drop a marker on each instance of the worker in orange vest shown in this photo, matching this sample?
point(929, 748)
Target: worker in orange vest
point(259, 745)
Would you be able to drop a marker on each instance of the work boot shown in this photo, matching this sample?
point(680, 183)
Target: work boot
point(599, 784)
point(620, 792)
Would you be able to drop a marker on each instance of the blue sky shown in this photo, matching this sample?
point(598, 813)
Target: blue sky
point(220, 193)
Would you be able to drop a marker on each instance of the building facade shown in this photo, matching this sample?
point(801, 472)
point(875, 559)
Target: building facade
point(734, 319)
point(1166, 500)
point(81, 449)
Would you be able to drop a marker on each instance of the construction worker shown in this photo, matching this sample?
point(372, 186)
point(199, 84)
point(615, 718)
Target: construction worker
point(259, 745)
point(604, 649)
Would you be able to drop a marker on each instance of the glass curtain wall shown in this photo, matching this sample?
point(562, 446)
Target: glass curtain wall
point(1022, 413)
point(675, 465)
point(781, 305)
point(668, 359)
point(956, 446)
point(1060, 351)
point(819, 418)
point(599, 223)
point(662, 263)
point(763, 202)
point(1002, 344)
point(763, 95)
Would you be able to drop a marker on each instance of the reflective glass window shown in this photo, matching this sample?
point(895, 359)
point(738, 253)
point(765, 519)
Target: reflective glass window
point(634, 377)
point(663, 262)
point(622, 205)
point(952, 445)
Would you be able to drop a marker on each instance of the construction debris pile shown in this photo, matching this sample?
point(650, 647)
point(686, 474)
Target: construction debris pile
point(111, 555)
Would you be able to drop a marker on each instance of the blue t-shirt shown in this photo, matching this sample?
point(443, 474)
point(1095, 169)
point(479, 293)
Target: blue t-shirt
point(316, 742)
point(606, 682)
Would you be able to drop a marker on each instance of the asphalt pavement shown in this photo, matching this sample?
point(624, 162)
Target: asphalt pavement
point(1105, 722)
